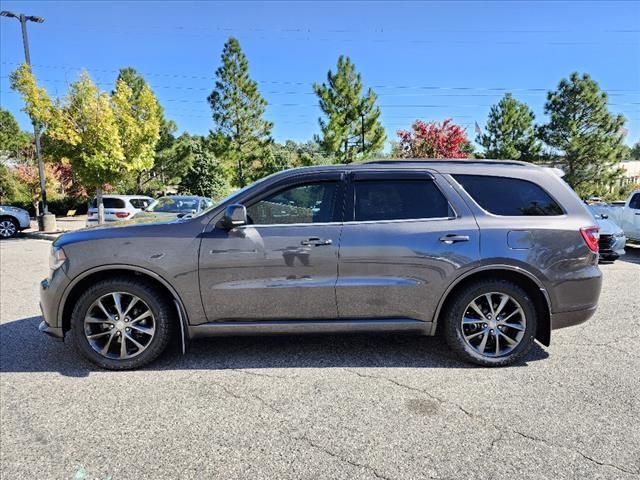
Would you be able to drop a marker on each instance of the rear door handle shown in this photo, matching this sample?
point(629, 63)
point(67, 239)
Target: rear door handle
point(453, 238)
point(316, 242)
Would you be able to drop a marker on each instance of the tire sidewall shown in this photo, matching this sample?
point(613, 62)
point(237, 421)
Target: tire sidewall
point(16, 227)
point(159, 308)
point(453, 327)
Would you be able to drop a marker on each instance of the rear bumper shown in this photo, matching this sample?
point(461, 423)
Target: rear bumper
point(569, 319)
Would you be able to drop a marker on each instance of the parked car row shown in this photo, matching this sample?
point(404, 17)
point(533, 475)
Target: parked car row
point(128, 207)
point(116, 208)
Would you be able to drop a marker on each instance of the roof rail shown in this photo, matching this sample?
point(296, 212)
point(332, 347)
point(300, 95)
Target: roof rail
point(448, 160)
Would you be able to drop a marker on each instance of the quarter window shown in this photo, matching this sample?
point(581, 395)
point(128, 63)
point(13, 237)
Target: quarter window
point(509, 196)
point(310, 203)
point(399, 200)
point(635, 202)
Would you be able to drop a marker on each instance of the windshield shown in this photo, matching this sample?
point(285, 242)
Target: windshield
point(174, 205)
point(599, 211)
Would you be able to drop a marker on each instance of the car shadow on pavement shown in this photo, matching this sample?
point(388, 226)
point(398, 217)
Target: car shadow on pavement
point(632, 255)
point(24, 349)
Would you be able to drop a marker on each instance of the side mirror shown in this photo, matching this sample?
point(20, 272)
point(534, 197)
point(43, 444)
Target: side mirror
point(235, 215)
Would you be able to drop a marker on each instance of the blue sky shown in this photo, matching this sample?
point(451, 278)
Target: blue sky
point(427, 60)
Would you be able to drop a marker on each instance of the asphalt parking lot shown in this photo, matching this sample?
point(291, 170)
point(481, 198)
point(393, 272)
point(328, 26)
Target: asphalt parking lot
point(351, 407)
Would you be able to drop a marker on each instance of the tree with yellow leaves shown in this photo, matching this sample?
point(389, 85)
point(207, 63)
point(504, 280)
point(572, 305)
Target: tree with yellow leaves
point(103, 137)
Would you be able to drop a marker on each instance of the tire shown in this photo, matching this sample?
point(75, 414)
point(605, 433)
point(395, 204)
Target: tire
point(148, 322)
point(9, 227)
point(481, 326)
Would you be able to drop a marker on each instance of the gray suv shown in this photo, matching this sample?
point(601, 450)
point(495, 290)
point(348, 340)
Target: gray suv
point(492, 254)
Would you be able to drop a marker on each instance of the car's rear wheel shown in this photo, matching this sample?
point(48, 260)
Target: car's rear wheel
point(121, 324)
point(8, 227)
point(491, 323)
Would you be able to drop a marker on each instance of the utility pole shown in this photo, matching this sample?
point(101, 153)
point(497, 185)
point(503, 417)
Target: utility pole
point(362, 132)
point(23, 19)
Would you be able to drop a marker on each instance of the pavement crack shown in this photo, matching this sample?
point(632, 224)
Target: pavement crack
point(500, 429)
point(575, 450)
point(248, 372)
point(415, 389)
point(333, 454)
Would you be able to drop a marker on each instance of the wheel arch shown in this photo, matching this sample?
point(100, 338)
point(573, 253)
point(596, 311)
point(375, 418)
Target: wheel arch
point(89, 277)
point(526, 280)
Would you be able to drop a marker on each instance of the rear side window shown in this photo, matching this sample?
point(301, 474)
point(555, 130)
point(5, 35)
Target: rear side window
point(109, 203)
point(635, 201)
point(140, 203)
point(399, 200)
point(509, 196)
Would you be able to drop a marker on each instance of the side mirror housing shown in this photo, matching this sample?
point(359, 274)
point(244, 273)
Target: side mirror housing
point(235, 215)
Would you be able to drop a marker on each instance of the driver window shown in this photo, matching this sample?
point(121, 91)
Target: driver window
point(308, 203)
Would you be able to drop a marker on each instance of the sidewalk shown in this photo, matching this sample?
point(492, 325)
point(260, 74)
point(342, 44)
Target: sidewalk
point(63, 224)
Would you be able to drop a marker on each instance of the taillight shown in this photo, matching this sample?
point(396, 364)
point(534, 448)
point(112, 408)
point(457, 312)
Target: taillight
point(591, 237)
point(122, 214)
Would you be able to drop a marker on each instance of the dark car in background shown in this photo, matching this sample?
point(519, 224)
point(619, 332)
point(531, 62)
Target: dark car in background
point(493, 254)
point(173, 206)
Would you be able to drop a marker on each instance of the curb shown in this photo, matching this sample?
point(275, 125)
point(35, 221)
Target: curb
point(51, 236)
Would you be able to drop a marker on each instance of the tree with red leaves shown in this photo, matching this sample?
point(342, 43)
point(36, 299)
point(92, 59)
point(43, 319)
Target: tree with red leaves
point(432, 140)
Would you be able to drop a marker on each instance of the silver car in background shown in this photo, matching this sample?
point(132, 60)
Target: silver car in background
point(117, 208)
point(13, 220)
point(612, 239)
point(492, 254)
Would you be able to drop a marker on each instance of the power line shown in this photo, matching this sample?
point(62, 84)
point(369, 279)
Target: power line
point(288, 82)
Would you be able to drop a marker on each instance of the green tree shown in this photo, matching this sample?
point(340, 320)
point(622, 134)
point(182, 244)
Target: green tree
point(348, 113)
point(237, 108)
point(205, 176)
point(584, 138)
point(166, 157)
point(12, 139)
point(82, 128)
point(510, 133)
point(635, 151)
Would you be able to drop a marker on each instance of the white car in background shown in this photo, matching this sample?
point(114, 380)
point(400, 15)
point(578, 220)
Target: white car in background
point(612, 239)
point(117, 208)
point(12, 220)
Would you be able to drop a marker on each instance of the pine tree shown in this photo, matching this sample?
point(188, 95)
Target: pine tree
point(237, 109)
point(510, 133)
point(348, 112)
point(585, 139)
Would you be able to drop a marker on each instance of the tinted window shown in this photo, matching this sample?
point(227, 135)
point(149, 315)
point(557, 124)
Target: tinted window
point(635, 201)
point(108, 203)
point(140, 203)
point(310, 203)
point(398, 200)
point(508, 196)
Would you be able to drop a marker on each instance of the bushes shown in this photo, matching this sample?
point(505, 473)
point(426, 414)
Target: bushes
point(58, 207)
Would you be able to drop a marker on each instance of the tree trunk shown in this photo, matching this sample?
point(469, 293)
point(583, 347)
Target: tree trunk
point(100, 205)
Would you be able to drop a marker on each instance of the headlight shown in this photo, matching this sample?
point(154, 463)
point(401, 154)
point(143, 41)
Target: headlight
point(57, 258)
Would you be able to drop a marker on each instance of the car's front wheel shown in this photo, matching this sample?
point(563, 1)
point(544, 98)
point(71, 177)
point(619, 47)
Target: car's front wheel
point(491, 323)
point(121, 323)
point(8, 227)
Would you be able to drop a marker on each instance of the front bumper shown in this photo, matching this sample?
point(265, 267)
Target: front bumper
point(54, 332)
point(51, 290)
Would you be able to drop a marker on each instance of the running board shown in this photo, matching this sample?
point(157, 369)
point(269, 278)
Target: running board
point(275, 327)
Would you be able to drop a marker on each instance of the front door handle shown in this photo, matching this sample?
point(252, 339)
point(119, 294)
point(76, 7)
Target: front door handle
point(316, 242)
point(453, 238)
